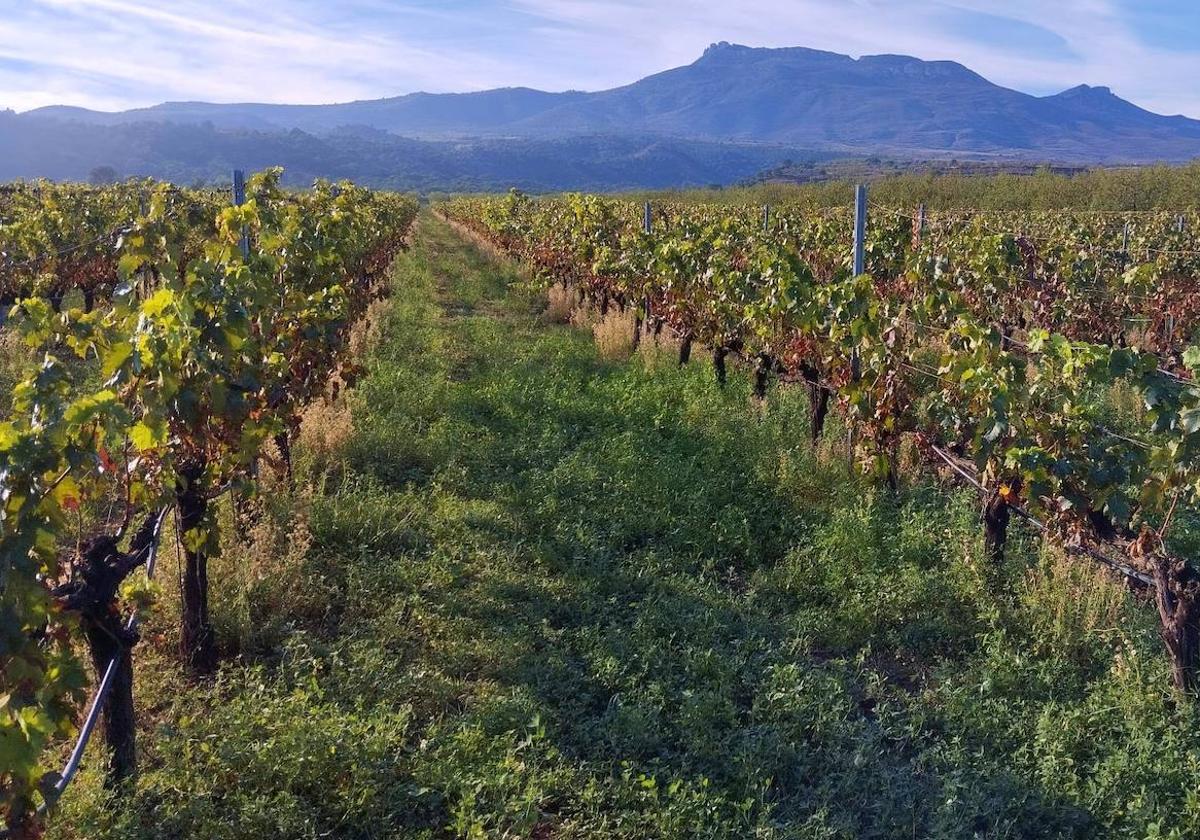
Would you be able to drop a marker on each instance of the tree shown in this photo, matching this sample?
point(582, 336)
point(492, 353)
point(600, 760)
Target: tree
point(102, 175)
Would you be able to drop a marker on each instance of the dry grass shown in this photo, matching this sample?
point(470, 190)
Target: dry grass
point(264, 586)
point(327, 424)
point(614, 335)
point(366, 332)
point(480, 242)
point(14, 362)
point(660, 350)
point(325, 428)
point(560, 305)
point(585, 316)
point(1126, 403)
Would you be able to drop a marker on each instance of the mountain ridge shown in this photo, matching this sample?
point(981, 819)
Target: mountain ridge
point(770, 103)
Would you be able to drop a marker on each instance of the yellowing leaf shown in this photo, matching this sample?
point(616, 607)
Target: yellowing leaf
point(67, 494)
point(145, 437)
point(158, 302)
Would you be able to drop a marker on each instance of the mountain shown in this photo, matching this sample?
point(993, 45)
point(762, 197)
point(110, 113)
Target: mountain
point(421, 115)
point(765, 105)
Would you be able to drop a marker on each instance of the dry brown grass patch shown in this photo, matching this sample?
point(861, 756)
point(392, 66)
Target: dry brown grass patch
point(325, 428)
point(264, 585)
point(560, 305)
point(367, 331)
point(614, 335)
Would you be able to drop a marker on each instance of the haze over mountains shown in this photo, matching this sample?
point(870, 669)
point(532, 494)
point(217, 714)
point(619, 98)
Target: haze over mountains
point(733, 112)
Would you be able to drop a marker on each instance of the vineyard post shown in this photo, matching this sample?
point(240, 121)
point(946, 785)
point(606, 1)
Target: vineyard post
point(239, 198)
point(920, 223)
point(1179, 223)
point(1124, 265)
point(860, 235)
point(647, 218)
point(766, 218)
point(860, 228)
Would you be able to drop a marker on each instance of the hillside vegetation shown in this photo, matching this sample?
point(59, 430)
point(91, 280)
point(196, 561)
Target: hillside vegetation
point(1132, 189)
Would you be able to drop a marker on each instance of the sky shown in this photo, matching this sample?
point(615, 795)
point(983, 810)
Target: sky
point(116, 54)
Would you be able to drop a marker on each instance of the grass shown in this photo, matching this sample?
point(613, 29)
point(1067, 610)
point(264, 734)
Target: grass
point(534, 592)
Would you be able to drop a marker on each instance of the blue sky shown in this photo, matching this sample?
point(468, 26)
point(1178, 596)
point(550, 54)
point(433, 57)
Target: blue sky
point(125, 53)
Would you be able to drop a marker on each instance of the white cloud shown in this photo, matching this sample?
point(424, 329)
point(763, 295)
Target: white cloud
point(122, 53)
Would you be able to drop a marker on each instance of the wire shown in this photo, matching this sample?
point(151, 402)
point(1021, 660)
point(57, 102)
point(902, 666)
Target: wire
point(121, 231)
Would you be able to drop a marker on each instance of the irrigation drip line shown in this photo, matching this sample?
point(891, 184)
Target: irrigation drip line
point(1081, 244)
point(925, 372)
point(952, 462)
point(969, 212)
point(1174, 378)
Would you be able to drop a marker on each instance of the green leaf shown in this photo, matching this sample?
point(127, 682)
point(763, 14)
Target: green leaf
point(1190, 420)
point(1191, 358)
point(115, 357)
point(86, 409)
point(144, 436)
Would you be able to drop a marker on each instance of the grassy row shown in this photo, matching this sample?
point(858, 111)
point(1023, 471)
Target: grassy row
point(525, 590)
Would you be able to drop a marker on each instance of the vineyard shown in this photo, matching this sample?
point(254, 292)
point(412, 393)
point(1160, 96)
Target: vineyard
point(993, 342)
point(325, 516)
point(171, 336)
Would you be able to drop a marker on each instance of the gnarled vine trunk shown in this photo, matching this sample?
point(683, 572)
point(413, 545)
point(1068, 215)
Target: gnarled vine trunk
point(762, 373)
point(685, 350)
point(284, 444)
point(1177, 594)
point(719, 355)
point(818, 402)
point(107, 643)
point(197, 647)
point(92, 593)
point(996, 516)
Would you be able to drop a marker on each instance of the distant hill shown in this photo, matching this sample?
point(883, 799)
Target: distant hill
point(768, 104)
point(69, 150)
point(418, 115)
